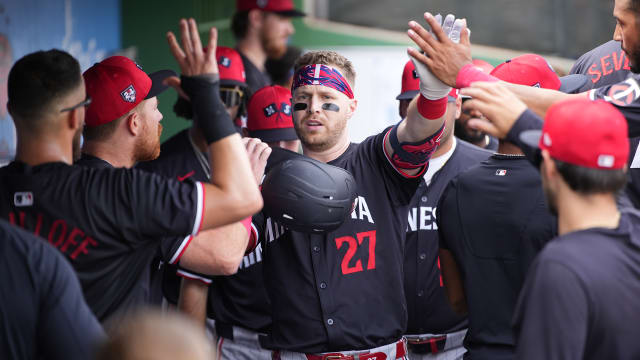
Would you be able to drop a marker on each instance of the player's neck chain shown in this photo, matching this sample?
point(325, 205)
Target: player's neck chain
point(202, 159)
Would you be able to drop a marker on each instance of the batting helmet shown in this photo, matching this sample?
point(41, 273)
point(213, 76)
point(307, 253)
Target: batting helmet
point(307, 195)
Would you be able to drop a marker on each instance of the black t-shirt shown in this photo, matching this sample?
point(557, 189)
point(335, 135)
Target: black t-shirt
point(494, 220)
point(581, 296)
point(343, 290)
point(240, 299)
point(428, 308)
point(606, 64)
point(108, 222)
point(42, 311)
point(256, 79)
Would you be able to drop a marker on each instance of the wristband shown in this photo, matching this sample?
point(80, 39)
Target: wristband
point(208, 110)
point(469, 74)
point(432, 109)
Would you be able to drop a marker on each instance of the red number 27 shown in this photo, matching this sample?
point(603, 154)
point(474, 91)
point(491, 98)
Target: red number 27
point(353, 247)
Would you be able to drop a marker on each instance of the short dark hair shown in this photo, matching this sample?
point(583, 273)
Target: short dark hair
point(591, 181)
point(38, 80)
point(240, 24)
point(101, 132)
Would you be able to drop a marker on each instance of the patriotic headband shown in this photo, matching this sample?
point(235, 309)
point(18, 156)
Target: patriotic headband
point(318, 74)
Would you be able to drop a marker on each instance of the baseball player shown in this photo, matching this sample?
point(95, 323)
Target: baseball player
point(605, 65)
point(261, 30)
point(580, 298)
point(108, 222)
point(43, 312)
point(493, 220)
point(340, 294)
point(269, 118)
point(238, 303)
point(434, 330)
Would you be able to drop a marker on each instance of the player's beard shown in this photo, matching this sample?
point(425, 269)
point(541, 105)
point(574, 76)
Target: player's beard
point(76, 145)
point(148, 148)
point(324, 139)
point(472, 136)
point(273, 45)
point(634, 59)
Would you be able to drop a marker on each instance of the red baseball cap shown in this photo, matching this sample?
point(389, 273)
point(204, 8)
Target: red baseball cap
point(582, 132)
point(231, 67)
point(282, 7)
point(534, 70)
point(116, 85)
point(482, 65)
point(269, 115)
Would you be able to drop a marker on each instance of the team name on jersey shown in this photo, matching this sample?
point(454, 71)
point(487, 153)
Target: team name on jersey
point(274, 230)
point(422, 218)
point(607, 65)
point(70, 241)
point(253, 258)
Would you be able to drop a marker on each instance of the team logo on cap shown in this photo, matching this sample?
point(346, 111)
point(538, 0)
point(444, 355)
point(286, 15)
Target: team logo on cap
point(285, 109)
point(414, 73)
point(129, 94)
point(606, 161)
point(224, 61)
point(270, 110)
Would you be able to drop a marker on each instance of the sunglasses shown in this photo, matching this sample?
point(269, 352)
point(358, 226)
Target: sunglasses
point(231, 96)
point(85, 103)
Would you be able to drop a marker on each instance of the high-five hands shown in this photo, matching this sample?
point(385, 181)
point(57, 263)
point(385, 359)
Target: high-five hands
point(446, 49)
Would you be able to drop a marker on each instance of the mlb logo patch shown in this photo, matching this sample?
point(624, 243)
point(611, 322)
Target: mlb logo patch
point(270, 110)
point(501, 172)
point(224, 61)
point(606, 161)
point(129, 94)
point(536, 85)
point(21, 199)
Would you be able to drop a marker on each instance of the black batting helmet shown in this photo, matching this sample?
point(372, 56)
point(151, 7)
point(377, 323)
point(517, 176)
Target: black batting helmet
point(307, 195)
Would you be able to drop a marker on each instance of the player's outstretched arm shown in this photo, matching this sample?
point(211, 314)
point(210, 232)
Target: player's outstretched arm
point(233, 193)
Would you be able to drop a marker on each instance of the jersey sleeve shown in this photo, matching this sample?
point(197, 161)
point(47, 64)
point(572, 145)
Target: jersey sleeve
point(551, 317)
point(625, 96)
point(67, 329)
point(143, 206)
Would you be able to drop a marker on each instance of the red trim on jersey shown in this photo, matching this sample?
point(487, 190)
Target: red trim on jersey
point(184, 247)
point(253, 235)
point(220, 341)
point(204, 206)
point(399, 170)
point(190, 276)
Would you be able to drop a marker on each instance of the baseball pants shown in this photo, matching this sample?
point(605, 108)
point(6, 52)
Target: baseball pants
point(453, 348)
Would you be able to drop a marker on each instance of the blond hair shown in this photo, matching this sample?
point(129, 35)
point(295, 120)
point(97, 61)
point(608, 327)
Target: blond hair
point(330, 58)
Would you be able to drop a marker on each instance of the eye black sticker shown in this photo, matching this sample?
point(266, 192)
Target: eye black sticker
point(330, 107)
point(299, 106)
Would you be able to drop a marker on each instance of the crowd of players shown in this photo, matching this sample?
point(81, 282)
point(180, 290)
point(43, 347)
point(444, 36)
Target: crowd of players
point(496, 220)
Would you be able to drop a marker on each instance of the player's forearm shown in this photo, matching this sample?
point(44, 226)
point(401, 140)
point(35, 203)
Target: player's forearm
point(193, 300)
point(537, 99)
point(452, 282)
point(417, 127)
point(216, 252)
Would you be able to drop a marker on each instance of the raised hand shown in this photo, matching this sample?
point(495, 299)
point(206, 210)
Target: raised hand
point(446, 48)
point(192, 58)
point(258, 153)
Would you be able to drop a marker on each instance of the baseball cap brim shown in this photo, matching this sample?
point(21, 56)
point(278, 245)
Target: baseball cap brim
point(157, 82)
point(531, 137)
point(407, 95)
point(229, 82)
point(272, 135)
point(290, 13)
point(570, 84)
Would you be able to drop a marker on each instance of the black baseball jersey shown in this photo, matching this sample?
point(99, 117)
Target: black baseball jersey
point(237, 300)
point(107, 222)
point(494, 220)
point(604, 65)
point(42, 311)
point(428, 308)
point(343, 290)
point(256, 79)
point(580, 299)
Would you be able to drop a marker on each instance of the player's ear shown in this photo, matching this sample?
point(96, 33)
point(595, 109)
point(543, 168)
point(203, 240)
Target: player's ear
point(351, 108)
point(75, 119)
point(133, 123)
point(548, 167)
point(458, 107)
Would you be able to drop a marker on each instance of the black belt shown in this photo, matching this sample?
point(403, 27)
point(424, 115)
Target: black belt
point(224, 330)
point(431, 345)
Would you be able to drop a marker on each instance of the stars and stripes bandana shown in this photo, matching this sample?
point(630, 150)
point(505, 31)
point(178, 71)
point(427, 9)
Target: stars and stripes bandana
point(318, 74)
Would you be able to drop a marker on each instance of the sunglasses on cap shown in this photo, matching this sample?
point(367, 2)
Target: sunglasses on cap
point(84, 103)
point(231, 96)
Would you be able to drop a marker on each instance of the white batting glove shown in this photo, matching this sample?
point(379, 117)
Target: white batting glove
point(430, 86)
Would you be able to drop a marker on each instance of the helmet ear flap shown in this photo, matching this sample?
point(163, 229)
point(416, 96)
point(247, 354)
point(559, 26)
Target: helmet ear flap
point(307, 195)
